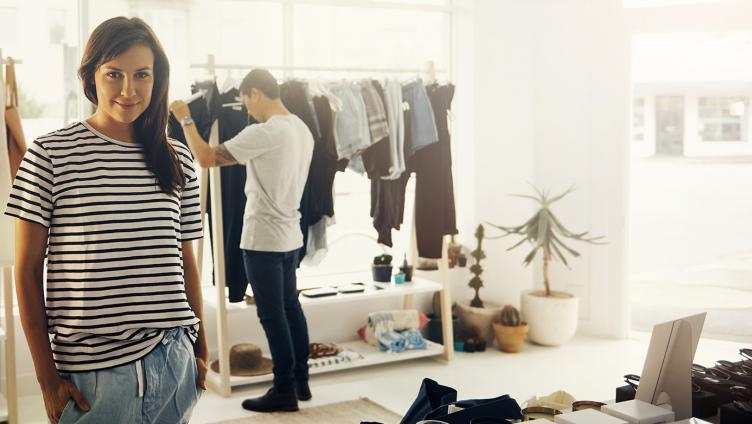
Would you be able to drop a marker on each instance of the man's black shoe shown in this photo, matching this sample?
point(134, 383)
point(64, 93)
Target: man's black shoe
point(273, 401)
point(302, 390)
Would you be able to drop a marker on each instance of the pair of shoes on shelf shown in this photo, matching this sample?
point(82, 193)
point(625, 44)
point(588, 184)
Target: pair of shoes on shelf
point(275, 401)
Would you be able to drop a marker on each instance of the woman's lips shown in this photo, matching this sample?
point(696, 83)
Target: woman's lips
point(127, 106)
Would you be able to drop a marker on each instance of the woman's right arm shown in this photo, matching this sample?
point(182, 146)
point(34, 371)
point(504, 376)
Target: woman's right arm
point(31, 245)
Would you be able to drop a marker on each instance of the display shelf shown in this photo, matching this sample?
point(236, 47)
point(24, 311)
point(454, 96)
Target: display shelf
point(371, 356)
point(373, 290)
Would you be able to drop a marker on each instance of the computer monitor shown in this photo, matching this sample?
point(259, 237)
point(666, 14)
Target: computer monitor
point(668, 364)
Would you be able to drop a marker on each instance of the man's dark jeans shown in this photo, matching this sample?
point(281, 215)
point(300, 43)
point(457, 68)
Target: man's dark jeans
point(272, 277)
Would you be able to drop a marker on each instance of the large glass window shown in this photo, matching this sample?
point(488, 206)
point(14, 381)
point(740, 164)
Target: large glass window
point(44, 73)
point(722, 118)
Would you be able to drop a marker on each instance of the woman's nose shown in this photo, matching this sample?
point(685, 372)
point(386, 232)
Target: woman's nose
point(128, 89)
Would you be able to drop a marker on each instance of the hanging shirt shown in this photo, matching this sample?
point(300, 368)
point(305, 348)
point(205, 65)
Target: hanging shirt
point(396, 120)
point(277, 155)
point(114, 262)
point(423, 131)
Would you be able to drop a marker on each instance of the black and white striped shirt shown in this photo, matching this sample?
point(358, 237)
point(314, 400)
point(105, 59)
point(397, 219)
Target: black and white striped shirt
point(114, 260)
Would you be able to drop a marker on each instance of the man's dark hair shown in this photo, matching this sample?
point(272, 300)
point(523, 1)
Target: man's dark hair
point(262, 80)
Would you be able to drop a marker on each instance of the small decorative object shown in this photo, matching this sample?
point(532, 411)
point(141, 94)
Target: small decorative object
point(407, 270)
point(476, 282)
point(510, 330)
point(399, 278)
point(453, 252)
point(477, 316)
point(382, 268)
point(462, 260)
point(552, 315)
point(586, 404)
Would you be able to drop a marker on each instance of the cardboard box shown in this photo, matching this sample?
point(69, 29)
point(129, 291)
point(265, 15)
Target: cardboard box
point(639, 412)
point(587, 416)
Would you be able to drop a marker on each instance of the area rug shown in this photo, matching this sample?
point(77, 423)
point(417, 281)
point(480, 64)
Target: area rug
point(348, 412)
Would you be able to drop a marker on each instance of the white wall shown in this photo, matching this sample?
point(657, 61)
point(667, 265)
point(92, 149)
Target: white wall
point(551, 103)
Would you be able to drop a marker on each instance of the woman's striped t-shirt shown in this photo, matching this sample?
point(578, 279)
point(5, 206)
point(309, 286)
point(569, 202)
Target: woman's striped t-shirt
point(114, 259)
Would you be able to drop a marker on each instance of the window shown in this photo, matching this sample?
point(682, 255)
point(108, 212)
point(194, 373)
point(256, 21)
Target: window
point(723, 118)
point(45, 72)
point(638, 119)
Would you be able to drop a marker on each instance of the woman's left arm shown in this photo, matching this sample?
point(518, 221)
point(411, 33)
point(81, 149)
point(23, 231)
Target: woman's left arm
point(193, 292)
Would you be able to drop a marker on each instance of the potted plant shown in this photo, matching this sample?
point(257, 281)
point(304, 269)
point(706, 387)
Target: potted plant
point(382, 268)
point(552, 315)
point(510, 330)
point(476, 317)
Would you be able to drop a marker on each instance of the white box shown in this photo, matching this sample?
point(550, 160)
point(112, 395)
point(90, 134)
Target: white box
point(691, 421)
point(639, 412)
point(587, 416)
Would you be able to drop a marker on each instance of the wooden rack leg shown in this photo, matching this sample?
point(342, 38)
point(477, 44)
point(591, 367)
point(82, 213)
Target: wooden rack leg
point(223, 348)
point(447, 330)
point(10, 347)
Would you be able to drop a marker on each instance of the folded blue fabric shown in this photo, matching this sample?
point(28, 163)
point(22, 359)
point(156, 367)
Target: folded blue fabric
point(392, 341)
point(415, 339)
point(396, 342)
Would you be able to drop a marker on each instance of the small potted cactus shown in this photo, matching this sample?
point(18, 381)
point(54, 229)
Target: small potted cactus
point(510, 330)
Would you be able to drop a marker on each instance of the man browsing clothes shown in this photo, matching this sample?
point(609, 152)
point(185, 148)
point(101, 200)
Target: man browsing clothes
point(277, 154)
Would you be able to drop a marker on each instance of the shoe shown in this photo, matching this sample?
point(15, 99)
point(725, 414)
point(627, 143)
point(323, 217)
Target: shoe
point(273, 401)
point(303, 391)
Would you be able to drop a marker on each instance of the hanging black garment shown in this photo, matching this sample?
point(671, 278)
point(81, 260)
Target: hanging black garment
point(232, 120)
point(435, 214)
point(324, 160)
point(293, 95)
point(388, 199)
point(203, 111)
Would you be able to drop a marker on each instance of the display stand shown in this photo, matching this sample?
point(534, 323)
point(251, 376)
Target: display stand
point(668, 364)
point(8, 401)
point(222, 382)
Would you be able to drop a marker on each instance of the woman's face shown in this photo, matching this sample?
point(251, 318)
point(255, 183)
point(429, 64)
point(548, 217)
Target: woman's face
point(125, 83)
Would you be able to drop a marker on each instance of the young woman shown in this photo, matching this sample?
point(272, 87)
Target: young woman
point(114, 206)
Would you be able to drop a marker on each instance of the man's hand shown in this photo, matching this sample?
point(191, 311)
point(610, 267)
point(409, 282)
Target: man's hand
point(179, 109)
point(202, 369)
point(56, 396)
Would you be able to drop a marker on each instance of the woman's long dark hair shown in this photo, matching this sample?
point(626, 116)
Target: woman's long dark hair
point(110, 39)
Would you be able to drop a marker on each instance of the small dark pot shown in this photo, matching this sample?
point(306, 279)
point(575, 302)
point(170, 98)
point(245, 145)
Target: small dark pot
point(432, 330)
point(382, 273)
point(408, 270)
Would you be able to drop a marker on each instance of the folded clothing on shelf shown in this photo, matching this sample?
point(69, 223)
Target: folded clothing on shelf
point(393, 341)
point(385, 321)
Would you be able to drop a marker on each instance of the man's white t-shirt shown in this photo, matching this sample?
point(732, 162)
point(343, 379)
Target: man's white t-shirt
point(277, 155)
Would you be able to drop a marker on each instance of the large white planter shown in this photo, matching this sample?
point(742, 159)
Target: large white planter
point(552, 319)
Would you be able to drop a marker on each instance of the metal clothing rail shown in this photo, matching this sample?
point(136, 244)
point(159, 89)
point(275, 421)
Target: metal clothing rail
point(212, 66)
point(211, 177)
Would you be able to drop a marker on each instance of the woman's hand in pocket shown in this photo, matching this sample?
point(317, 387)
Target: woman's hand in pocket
point(56, 396)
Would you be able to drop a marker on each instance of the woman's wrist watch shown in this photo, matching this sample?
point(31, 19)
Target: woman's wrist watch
point(186, 120)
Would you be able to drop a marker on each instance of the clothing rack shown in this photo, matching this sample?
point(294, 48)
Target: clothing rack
point(7, 332)
point(224, 386)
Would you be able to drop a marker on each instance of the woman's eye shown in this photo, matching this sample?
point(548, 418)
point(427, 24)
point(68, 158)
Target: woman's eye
point(113, 75)
point(142, 75)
